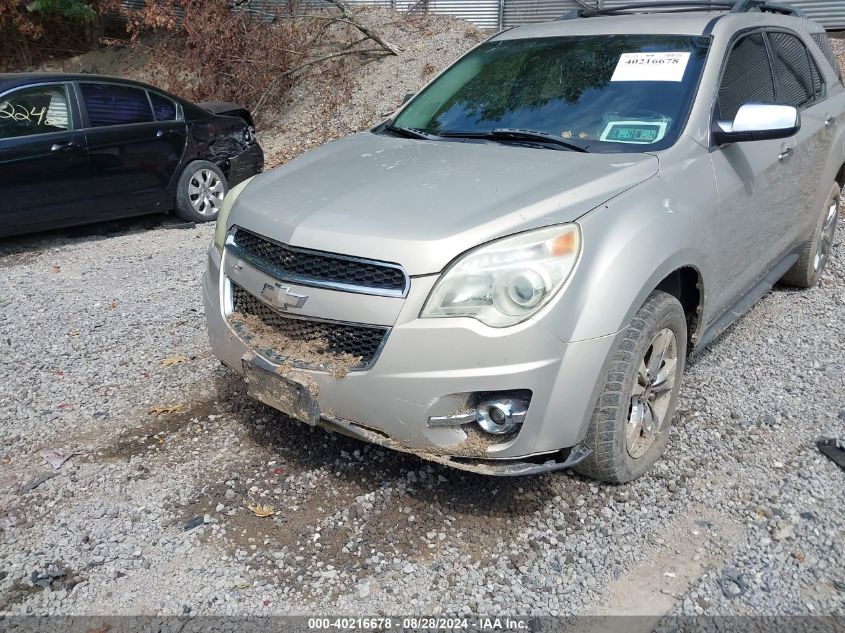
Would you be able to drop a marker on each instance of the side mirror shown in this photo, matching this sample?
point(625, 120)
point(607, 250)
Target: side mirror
point(758, 122)
point(408, 97)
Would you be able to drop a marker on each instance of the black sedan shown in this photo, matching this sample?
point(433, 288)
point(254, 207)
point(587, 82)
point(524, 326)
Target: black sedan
point(81, 148)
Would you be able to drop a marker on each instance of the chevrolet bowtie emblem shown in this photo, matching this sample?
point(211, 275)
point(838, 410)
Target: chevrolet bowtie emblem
point(282, 297)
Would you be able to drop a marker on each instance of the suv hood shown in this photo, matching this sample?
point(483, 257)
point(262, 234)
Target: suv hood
point(422, 203)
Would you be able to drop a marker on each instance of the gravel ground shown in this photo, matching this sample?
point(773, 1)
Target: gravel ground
point(98, 328)
point(102, 333)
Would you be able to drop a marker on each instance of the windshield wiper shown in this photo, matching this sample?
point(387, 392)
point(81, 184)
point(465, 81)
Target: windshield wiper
point(513, 134)
point(531, 135)
point(409, 132)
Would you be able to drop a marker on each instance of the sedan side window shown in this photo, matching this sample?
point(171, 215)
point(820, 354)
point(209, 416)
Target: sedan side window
point(163, 108)
point(747, 77)
point(38, 110)
point(113, 104)
point(799, 80)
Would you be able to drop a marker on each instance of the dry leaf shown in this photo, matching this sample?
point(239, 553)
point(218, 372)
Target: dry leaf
point(174, 360)
point(73, 333)
point(261, 511)
point(101, 629)
point(57, 269)
point(162, 410)
point(113, 305)
point(56, 457)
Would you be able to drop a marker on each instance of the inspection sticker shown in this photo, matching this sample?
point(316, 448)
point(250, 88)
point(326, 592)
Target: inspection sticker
point(651, 67)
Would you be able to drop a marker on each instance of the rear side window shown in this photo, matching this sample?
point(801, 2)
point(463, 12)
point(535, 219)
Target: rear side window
point(824, 44)
point(799, 82)
point(31, 111)
point(747, 77)
point(163, 108)
point(112, 104)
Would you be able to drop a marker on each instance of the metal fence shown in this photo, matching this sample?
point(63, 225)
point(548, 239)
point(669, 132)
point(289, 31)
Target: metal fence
point(492, 14)
point(486, 14)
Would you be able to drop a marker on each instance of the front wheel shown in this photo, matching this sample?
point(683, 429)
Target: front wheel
point(630, 426)
point(200, 192)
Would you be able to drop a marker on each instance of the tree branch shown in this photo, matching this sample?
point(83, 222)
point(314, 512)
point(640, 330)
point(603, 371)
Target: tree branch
point(370, 33)
point(272, 85)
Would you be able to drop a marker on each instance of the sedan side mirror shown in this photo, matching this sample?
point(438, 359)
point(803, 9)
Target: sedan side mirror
point(758, 122)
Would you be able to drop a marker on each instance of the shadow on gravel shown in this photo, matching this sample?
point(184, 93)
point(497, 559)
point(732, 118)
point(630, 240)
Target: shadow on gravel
point(335, 499)
point(777, 288)
point(156, 431)
point(22, 249)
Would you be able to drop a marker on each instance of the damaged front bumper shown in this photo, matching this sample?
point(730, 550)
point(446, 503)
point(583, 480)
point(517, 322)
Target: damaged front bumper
point(424, 372)
point(245, 165)
point(266, 385)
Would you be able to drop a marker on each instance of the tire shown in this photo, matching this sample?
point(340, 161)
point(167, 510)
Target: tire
point(816, 251)
point(626, 440)
point(200, 192)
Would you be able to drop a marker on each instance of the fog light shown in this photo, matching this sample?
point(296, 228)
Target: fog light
point(497, 415)
point(500, 417)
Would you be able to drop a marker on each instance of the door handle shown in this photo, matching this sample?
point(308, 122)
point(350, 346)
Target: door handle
point(785, 153)
point(163, 133)
point(64, 147)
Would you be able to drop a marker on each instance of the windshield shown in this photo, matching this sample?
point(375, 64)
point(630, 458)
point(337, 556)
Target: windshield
point(613, 93)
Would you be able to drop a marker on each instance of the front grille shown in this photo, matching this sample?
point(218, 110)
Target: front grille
point(340, 338)
point(317, 268)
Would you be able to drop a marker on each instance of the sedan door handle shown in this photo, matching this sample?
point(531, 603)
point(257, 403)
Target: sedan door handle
point(65, 147)
point(785, 153)
point(163, 133)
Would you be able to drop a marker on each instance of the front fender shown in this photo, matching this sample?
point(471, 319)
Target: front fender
point(634, 241)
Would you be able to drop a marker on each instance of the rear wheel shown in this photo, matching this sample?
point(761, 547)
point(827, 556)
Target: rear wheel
point(200, 192)
point(816, 251)
point(630, 426)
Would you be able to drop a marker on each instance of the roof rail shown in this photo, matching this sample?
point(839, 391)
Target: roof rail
point(743, 6)
point(685, 6)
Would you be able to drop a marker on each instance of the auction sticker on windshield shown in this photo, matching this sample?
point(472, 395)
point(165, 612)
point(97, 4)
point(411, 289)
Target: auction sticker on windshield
point(651, 67)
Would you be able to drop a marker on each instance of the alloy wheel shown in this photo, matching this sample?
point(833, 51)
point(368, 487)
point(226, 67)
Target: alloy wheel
point(205, 192)
point(826, 238)
point(657, 374)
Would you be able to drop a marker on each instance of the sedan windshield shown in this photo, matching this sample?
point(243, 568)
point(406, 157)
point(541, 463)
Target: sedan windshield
point(612, 93)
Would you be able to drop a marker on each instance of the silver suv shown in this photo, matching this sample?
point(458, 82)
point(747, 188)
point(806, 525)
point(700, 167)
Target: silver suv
point(507, 276)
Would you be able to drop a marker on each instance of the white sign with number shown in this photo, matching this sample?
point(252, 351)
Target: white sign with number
point(651, 67)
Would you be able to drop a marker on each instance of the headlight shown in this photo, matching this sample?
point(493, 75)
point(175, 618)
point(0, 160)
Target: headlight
point(503, 283)
point(223, 214)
